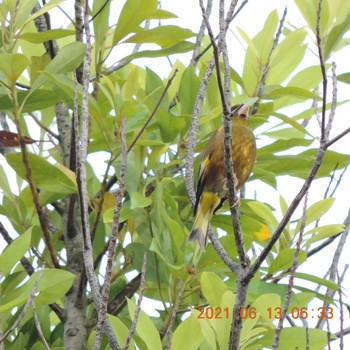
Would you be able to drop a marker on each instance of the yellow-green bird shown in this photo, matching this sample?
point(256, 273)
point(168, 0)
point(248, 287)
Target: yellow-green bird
point(211, 186)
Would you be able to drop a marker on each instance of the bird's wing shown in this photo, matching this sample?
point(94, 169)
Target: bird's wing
point(201, 180)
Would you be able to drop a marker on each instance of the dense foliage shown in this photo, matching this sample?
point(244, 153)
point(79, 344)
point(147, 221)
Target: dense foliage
point(41, 84)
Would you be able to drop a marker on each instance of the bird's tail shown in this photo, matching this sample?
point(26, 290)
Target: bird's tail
point(207, 205)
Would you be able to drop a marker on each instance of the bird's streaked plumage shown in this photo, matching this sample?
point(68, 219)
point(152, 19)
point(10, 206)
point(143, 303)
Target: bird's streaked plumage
point(211, 185)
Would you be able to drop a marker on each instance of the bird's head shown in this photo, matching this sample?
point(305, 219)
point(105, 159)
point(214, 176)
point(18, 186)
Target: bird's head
point(240, 112)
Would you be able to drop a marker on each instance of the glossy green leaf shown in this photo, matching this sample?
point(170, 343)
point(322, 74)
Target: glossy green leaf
point(297, 338)
point(36, 101)
point(54, 284)
point(163, 36)
point(138, 200)
point(50, 5)
point(145, 328)
point(22, 12)
point(309, 9)
point(309, 78)
point(290, 91)
point(300, 165)
point(264, 212)
point(334, 37)
point(67, 60)
point(54, 178)
point(265, 301)
point(100, 22)
point(344, 78)
point(212, 287)
point(170, 126)
point(317, 280)
point(315, 211)
point(265, 176)
point(286, 57)
point(284, 260)
point(13, 65)
point(15, 252)
point(264, 39)
point(188, 96)
point(323, 232)
point(120, 330)
point(182, 47)
point(188, 334)
point(284, 145)
point(52, 34)
point(133, 13)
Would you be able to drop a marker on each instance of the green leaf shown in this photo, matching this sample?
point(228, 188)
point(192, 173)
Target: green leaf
point(187, 96)
point(54, 178)
point(323, 232)
point(284, 145)
point(284, 260)
point(182, 47)
point(138, 200)
point(13, 65)
point(264, 39)
point(100, 21)
point(22, 11)
point(163, 36)
point(296, 338)
point(334, 37)
point(290, 91)
point(145, 328)
point(52, 34)
point(344, 78)
point(54, 284)
point(265, 176)
point(15, 252)
point(188, 334)
point(169, 125)
point(317, 280)
point(264, 212)
point(67, 60)
point(133, 13)
point(308, 78)
point(265, 301)
point(50, 5)
point(286, 57)
point(213, 288)
point(120, 330)
point(36, 101)
point(315, 211)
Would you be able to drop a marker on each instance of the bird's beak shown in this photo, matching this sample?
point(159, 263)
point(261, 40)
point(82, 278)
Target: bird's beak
point(244, 110)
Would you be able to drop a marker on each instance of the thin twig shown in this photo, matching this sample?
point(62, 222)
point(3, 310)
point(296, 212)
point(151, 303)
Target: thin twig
point(81, 156)
point(291, 278)
point(169, 331)
point(233, 16)
point(341, 309)
point(200, 35)
point(43, 126)
point(266, 68)
point(335, 262)
point(102, 315)
point(138, 305)
point(38, 327)
point(323, 69)
point(338, 137)
point(154, 110)
point(34, 191)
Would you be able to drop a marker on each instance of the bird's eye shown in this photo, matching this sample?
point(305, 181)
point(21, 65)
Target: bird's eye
point(243, 116)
